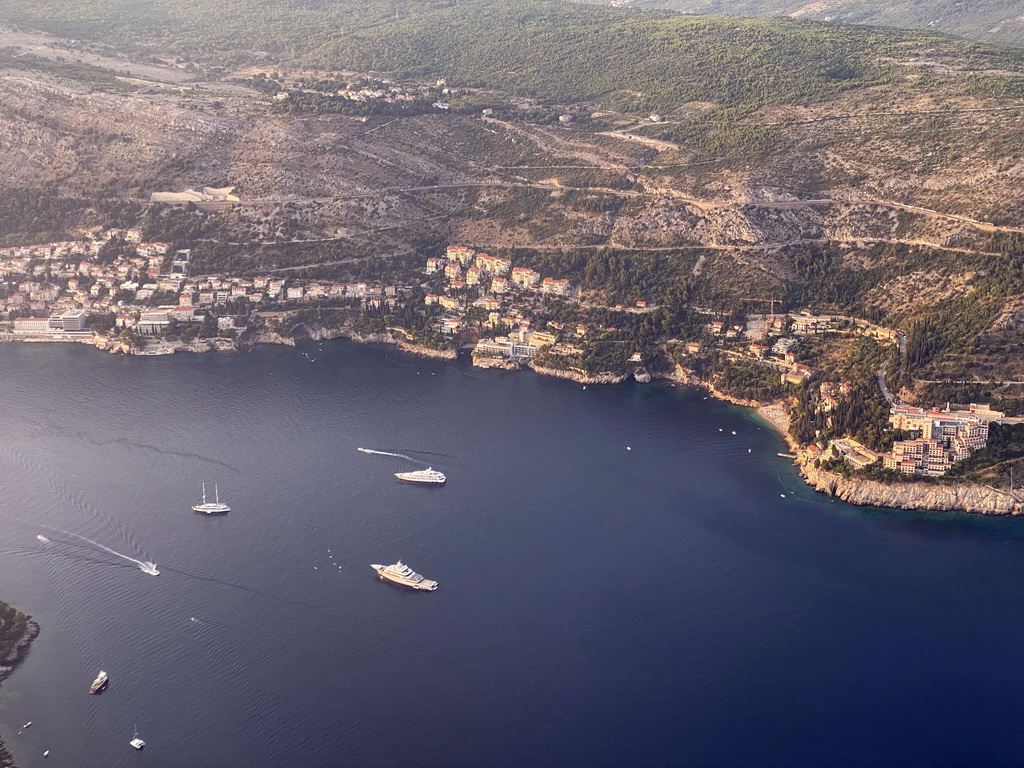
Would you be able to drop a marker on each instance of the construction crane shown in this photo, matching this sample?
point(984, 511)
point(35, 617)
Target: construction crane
point(772, 301)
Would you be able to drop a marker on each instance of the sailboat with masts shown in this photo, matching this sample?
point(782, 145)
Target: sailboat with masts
point(211, 507)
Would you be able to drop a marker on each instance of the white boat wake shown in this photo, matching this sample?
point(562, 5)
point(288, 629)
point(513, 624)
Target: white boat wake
point(144, 565)
point(386, 453)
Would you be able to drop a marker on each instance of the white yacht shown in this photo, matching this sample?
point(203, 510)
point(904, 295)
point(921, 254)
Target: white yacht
point(211, 507)
point(136, 741)
point(100, 682)
point(428, 475)
point(400, 573)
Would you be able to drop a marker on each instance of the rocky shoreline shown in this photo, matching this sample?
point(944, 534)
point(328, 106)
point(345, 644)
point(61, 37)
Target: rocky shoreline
point(863, 492)
point(7, 666)
point(581, 378)
point(942, 497)
point(931, 497)
point(20, 650)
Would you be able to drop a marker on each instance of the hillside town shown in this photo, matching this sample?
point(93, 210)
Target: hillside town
point(50, 291)
point(111, 283)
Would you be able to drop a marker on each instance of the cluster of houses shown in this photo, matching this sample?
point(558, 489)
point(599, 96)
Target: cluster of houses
point(50, 279)
point(779, 356)
point(51, 288)
point(196, 297)
point(492, 277)
point(385, 91)
point(940, 439)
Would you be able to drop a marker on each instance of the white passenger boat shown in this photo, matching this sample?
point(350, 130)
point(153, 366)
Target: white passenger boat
point(428, 475)
point(400, 573)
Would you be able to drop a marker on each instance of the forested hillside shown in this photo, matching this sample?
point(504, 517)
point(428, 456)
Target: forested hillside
point(565, 53)
point(997, 21)
point(228, 31)
point(550, 50)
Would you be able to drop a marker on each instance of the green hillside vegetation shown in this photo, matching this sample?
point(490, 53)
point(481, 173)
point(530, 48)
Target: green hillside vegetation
point(639, 61)
point(548, 50)
point(12, 628)
point(224, 31)
point(997, 21)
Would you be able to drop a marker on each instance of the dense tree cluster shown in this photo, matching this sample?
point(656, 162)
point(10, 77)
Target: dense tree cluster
point(12, 628)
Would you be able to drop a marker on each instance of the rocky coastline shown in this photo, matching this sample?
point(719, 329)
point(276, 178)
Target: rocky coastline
point(942, 497)
point(863, 492)
point(437, 354)
point(860, 491)
point(7, 666)
point(581, 378)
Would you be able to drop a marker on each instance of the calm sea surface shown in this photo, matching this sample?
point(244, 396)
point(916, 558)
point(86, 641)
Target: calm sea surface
point(598, 606)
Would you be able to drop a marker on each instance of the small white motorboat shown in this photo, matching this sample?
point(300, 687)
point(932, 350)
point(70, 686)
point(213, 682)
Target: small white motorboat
point(136, 741)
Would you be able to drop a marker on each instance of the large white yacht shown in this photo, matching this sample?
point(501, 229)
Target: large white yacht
point(400, 573)
point(428, 475)
point(212, 507)
point(100, 682)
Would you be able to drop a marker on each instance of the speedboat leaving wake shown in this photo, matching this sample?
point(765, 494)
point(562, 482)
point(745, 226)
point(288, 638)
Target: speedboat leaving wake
point(386, 453)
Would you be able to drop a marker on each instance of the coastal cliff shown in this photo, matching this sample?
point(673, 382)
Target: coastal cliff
point(304, 332)
point(964, 497)
point(582, 378)
point(438, 354)
point(939, 497)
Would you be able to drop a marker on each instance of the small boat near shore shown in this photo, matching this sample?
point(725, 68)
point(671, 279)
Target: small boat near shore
point(99, 683)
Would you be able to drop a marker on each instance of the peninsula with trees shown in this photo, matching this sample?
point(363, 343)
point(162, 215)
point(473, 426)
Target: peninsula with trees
point(17, 631)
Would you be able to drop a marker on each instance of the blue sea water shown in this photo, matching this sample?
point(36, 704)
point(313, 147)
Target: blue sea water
point(661, 606)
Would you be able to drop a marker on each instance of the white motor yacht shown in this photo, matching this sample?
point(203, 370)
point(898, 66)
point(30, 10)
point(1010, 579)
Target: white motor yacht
point(400, 573)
